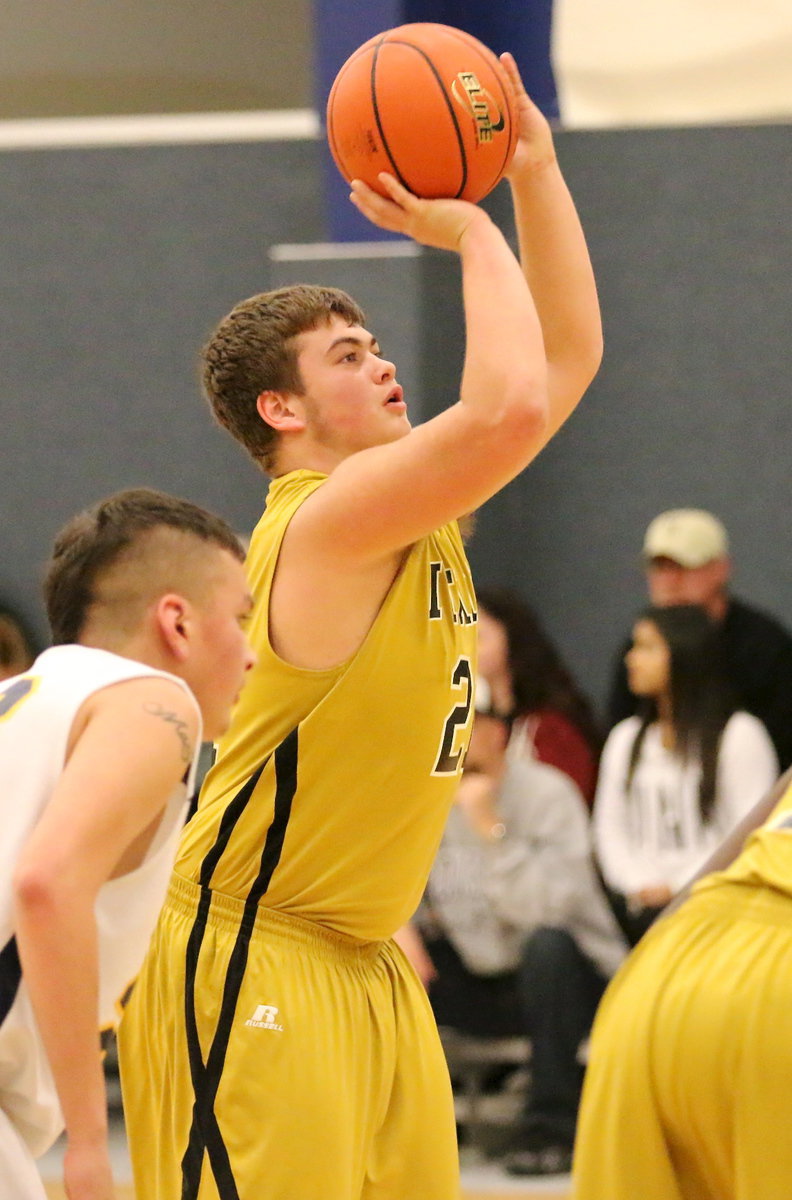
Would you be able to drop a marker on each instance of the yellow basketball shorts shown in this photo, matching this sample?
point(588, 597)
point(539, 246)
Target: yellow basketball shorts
point(687, 1089)
point(267, 1058)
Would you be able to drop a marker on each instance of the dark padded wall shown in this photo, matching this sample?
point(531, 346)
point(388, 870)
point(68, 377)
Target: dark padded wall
point(115, 263)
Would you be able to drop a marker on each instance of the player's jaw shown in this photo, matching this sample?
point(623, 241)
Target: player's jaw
point(362, 416)
point(220, 652)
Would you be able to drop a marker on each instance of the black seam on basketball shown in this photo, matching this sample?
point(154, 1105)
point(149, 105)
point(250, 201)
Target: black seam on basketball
point(205, 1131)
point(375, 107)
point(451, 113)
point(492, 60)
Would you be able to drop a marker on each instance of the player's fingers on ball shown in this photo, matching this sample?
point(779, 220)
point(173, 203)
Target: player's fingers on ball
point(362, 189)
point(396, 190)
point(521, 97)
point(378, 210)
point(365, 197)
point(512, 72)
point(369, 194)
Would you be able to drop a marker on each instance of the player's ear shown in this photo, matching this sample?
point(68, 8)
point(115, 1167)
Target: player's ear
point(173, 618)
point(282, 411)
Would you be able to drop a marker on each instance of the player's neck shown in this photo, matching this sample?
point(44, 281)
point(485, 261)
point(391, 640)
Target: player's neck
point(305, 456)
point(139, 647)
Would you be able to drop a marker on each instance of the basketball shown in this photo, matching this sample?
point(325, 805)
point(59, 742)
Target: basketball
point(429, 103)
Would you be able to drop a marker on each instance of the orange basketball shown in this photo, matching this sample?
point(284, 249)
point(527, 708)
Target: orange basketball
point(428, 103)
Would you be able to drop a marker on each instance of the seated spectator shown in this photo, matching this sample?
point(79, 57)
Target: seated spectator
point(553, 721)
point(686, 556)
point(517, 936)
point(677, 778)
point(16, 644)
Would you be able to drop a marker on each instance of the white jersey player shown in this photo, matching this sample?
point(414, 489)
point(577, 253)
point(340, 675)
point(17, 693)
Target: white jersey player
point(99, 739)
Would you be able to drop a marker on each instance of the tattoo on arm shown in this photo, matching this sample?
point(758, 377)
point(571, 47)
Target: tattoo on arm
point(179, 726)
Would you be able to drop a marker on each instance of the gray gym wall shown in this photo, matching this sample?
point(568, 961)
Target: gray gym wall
point(117, 262)
point(691, 239)
point(94, 57)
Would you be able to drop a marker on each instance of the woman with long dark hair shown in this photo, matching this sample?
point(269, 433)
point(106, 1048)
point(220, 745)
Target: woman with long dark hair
point(677, 777)
point(529, 683)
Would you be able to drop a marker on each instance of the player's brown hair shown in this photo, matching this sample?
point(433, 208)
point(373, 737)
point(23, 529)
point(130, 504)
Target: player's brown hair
point(94, 541)
point(252, 351)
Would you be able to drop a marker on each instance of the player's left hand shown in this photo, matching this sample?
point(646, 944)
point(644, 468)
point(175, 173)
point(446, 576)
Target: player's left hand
point(440, 223)
point(534, 139)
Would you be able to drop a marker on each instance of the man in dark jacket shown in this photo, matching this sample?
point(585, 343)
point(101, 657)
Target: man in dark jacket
point(686, 555)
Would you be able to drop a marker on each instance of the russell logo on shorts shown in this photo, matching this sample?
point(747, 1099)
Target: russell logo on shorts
point(265, 1016)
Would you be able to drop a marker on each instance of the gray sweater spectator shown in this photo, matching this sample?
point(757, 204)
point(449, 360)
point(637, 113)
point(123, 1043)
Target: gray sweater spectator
point(517, 936)
point(487, 895)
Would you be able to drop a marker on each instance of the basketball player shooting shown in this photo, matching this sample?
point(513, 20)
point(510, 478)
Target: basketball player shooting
point(277, 1044)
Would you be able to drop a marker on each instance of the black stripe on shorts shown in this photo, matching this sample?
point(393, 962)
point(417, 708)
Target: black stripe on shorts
point(10, 977)
point(205, 1132)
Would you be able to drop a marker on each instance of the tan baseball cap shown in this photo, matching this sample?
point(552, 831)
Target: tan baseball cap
point(688, 536)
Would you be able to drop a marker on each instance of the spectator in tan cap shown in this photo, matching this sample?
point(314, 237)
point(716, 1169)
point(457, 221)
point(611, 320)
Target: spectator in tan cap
point(686, 558)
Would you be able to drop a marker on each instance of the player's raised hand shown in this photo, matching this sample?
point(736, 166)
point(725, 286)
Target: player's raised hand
point(439, 223)
point(534, 139)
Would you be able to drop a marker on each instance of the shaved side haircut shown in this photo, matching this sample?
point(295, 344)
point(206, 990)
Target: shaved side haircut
point(122, 552)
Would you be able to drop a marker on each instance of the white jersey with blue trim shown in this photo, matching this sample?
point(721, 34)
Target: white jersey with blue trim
point(37, 711)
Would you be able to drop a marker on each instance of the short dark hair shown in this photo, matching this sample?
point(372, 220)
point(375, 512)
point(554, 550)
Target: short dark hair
point(252, 351)
point(93, 541)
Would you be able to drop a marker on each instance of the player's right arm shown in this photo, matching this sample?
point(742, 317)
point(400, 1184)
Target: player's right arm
point(344, 545)
point(382, 499)
point(554, 257)
point(133, 744)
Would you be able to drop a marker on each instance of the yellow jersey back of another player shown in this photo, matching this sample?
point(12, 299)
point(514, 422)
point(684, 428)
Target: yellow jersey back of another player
point(766, 858)
point(331, 789)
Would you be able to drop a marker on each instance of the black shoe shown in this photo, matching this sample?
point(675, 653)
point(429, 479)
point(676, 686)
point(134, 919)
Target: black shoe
point(550, 1159)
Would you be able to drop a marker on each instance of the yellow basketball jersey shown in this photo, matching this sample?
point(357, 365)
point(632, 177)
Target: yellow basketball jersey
point(766, 860)
point(332, 787)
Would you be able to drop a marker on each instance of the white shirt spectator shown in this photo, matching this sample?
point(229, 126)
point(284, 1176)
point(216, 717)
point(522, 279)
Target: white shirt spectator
point(654, 833)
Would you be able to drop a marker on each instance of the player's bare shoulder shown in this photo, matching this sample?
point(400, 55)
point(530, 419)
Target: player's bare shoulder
point(151, 708)
point(314, 577)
